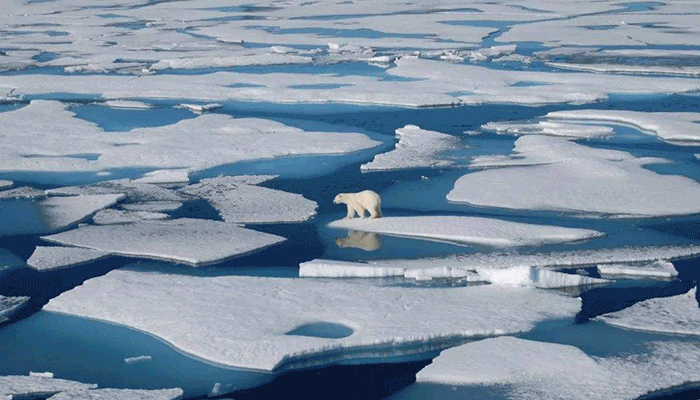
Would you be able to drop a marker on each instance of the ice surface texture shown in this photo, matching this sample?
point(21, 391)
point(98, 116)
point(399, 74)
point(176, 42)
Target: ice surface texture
point(214, 320)
point(676, 314)
point(37, 386)
point(191, 241)
point(475, 230)
point(8, 305)
point(658, 268)
point(55, 257)
point(548, 173)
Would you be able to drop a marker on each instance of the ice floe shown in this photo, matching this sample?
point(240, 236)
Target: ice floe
point(473, 230)
point(380, 319)
point(9, 305)
point(657, 269)
point(62, 212)
point(5, 184)
point(576, 178)
point(120, 394)
point(550, 128)
point(464, 265)
point(131, 105)
point(201, 108)
point(111, 216)
point(629, 69)
point(674, 315)
point(237, 199)
point(674, 127)
point(137, 359)
point(54, 257)
point(153, 206)
point(36, 387)
point(416, 148)
point(538, 370)
point(166, 177)
point(23, 192)
point(191, 241)
point(135, 191)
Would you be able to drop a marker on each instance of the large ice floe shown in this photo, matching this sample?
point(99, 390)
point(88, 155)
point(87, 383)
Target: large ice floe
point(9, 305)
point(548, 173)
point(55, 140)
point(526, 369)
point(37, 387)
point(55, 257)
point(120, 394)
point(640, 270)
point(191, 241)
point(416, 148)
point(466, 265)
point(550, 128)
point(239, 200)
point(673, 315)
point(375, 321)
point(473, 230)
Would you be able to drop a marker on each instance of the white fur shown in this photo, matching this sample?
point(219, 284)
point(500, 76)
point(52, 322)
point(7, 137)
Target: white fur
point(358, 203)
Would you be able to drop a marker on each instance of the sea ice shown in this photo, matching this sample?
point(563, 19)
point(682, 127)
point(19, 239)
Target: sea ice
point(548, 173)
point(135, 191)
point(5, 184)
point(462, 265)
point(673, 315)
point(153, 206)
point(473, 230)
point(382, 320)
point(538, 370)
point(137, 359)
point(200, 108)
point(111, 216)
point(680, 70)
point(131, 105)
point(8, 305)
point(36, 387)
point(674, 127)
point(23, 192)
point(195, 242)
point(166, 177)
point(237, 199)
point(416, 148)
point(550, 128)
point(54, 257)
point(120, 394)
point(658, 269)
point(61, 212)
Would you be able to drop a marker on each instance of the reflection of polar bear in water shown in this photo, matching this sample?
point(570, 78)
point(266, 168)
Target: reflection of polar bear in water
point(367, 241)
point(360, 202)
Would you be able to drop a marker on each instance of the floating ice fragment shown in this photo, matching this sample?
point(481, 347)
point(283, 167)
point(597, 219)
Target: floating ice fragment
point(550, 128)
point(385, 320)
point(41, 374)
point(112, 216)
point(23, 192)
point(200, 108)
point(241, 202)
point(54, 257)
point(417, 148)
point(120, 394)
point(191, 241)
point(576, 178)
point(153, 206)
point(34, 387)
point(472, 230)
point(138, 359)
point(8, 306)
point(166, 177)
point(535, 277)
point(658, 269)
point(5, 184)
point(674, 315)
point(135, 191)
point(132, 105)
point(61, 212)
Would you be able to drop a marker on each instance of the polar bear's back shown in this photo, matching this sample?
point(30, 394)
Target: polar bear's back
point(368, 198)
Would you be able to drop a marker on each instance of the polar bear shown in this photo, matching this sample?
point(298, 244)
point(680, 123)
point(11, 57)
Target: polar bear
point(360, 202)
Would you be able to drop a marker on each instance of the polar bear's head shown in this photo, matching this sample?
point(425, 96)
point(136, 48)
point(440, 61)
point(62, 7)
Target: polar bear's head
point(339, 198)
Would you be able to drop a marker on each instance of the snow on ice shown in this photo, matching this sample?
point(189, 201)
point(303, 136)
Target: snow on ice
point(54, 257)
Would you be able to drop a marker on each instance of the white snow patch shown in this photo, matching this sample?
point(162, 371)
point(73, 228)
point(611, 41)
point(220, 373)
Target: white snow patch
point(112, 216)
point(416, 148)
point(120, 394)
point(37, 387)
point(191, 241)
point(381, 318)
point(53, 257)
point(674, 315)
point(658, 269)
point(474, 230)
point(575, 178)
point(242, 202)
point(8, 306)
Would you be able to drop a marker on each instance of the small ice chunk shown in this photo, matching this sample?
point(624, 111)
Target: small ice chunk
point(200, 108)
point(127, 104)
point(61, 212)
point(658, 269)
point(377, 317)
point(5, 184)
point(37, 387)
point(153, 206)
point(472, 230)
point(535, 277)
point(9, 305)
point(550, 128)
point(23, 192)
point(240, 202)
point(166, 177)
point(138, 359)
point(195, 242)
point(41, 374)
point(112, 216)
point(120, 394)
point(417, 148)
point(54, 257)
point(675, 315)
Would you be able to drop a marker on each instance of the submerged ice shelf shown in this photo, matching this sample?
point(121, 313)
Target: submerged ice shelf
point(383, 320)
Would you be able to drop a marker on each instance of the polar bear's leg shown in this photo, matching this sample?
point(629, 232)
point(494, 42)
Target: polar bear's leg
point(375, 211)
point(351, 212)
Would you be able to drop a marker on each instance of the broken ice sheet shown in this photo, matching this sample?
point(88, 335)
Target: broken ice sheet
point(195, 242)
point(655, 269)
point(8, 306)
point(111, 216)
point(673, 315)
point(375, 319)
point(238, 201)
point(120, 394)
point(551, 128)
point(55, 257)
point(37, 386)
point(469, 230)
